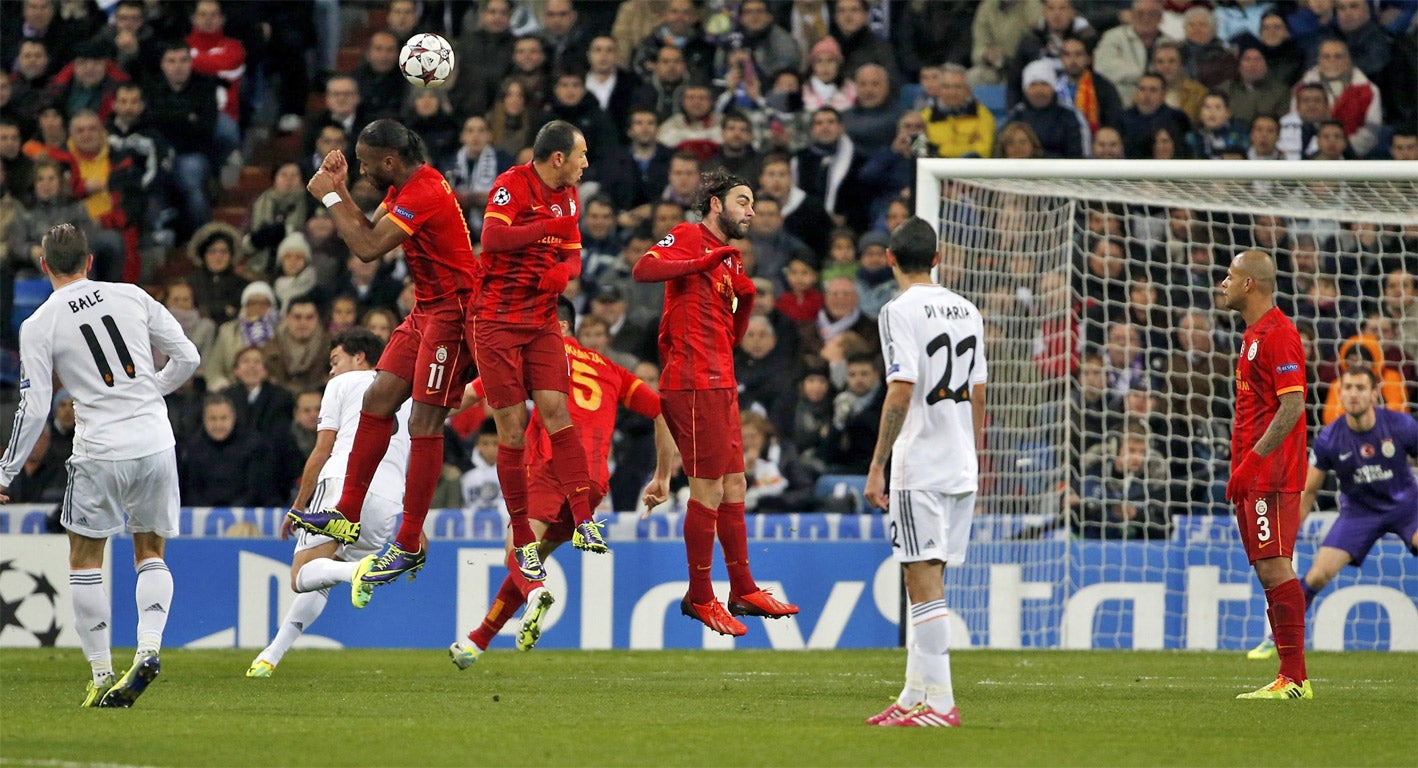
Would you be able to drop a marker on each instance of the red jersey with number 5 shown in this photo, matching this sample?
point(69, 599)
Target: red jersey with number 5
point(598, 388)
point(1271, 363)
point(697, 328)
point(509, 292)
point(439, 252)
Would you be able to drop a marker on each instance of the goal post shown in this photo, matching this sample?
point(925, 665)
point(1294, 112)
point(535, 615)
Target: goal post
point(1101, 520)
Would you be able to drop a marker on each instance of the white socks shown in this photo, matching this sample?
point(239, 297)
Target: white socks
point(929, 657)
point(303, 612)
point(154, 597)
point(93, 617)
point(323, 573)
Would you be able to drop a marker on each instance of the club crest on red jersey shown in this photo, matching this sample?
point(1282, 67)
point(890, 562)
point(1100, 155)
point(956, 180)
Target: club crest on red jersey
point(1255, 347)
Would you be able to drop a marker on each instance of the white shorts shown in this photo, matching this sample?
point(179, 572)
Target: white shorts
point(930, 525)
point(376, 521)
point(103, 494)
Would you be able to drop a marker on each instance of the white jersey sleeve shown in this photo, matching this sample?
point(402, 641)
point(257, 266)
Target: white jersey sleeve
point(935, 339)
point(167, 336)
point(339, 410)
point(36, 391)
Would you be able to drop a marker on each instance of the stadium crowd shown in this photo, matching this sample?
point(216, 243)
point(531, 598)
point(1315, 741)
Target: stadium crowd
point(143, 121)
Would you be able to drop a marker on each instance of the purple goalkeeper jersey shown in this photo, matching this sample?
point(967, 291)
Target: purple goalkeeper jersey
point(1373, 469)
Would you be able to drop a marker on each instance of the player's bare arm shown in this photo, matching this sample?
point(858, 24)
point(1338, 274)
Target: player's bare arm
point(893, 418)
point(1292, 408)
point(310, 475)
point(1314, 481)
point(657, 491)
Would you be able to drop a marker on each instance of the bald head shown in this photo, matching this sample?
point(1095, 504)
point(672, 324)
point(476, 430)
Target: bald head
point(1258, 266)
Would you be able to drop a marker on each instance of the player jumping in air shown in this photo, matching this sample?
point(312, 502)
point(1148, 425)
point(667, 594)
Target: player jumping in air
point(1371, 450)
point(427, 356)
point(531, 250)
point(1268, 459)
point(708, 301)
point(321, 562)
point(598, 388)
point(98, 338)
point(932, 429)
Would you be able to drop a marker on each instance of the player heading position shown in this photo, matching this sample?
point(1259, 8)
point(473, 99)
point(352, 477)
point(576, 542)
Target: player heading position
point(599, 388)
point(932, 426)
point(427, 356)
point(1371, 450)
point(531, 250)
point(708, 301)
point(1268, 459)
point(321, 562)
point(98, 338)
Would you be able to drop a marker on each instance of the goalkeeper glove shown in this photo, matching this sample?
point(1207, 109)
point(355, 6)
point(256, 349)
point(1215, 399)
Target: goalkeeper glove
point(564, 227)
point(554, 280)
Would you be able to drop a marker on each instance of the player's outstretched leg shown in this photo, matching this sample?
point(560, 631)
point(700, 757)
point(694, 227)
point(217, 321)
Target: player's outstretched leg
point(528, 563)
point(93, 617)
point(326, 522)
point(304, 610)
point(144, 671)
point(393, 563)
point(745, 598)
point(510, 597)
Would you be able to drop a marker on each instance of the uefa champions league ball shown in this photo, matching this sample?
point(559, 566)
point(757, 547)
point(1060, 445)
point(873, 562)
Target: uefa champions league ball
point(426, 60)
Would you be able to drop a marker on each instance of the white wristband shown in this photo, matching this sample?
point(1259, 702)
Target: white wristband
point(330, 199)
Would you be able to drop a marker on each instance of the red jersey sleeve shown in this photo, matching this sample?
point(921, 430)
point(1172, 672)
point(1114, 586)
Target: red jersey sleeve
point(506, 200)
point(637, 395)
point(680, 244)
point(414, 205)
point(1285, 361)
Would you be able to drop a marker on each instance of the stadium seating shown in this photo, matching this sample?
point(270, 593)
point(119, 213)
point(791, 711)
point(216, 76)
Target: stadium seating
point(29, 294)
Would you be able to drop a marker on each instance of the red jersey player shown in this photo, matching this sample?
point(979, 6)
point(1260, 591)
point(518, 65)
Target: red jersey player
point(427, 356)
point(531, 250)
point(1268, 462)
point(598, 388)
point(708, 301)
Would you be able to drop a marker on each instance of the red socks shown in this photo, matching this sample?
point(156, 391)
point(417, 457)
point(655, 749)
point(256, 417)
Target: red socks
point(568, 466)
point(425, 466)
point(733, 538)
point(513, 477)
point(370, 443)
point(1287, 620)
point(509, 599)
point(699, 522)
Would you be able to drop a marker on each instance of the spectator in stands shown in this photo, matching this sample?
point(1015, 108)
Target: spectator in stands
point(565, 41)
point(224, 465)
point(1404, 145)
point(1093, 96)
point(1124, 52)
point(764, 477)
point(600, 243)
point(658, 88)
point(1300, 126)
point(871, 121)
point(1057, 24)
point(636, 175)
point(736, 153)
point(929, 33)
point(764, 367)
point(44, 478)
point(380, 321)
point(679, 28)
point(644, 303)
point(1018, 141)
point(841, 314)
point(1181, 91)
point(1265, 139)
point(427, 112)
point(957, 125)
point(1399, 304)
point(771, 47)
point(278, 212)
point(382, 87)
point(806, 425)
point(664, 215)
point(109, 182)
point(1353, 100)
point(998, 29)
point(1330, 142)
point(216, 286)
point(218, 56)
point(630, 340)
point(1198, 370)
point(18, 167)
point(876, 284)
point(51, 136)
point(369, 283)
point(86, 84)
point(1215, 133)
point(129, 132)
point(683, 181)
point(1366, 351)
point(529, 67)
point(1122, 494)
point(1240, 18)
point(827, 84)
point(809, 21)
point(613, 86)
point(1205, 58)
point(694, 126)
point(1254, 91)
point(1283, 56)
point(828, 167)
point(859, 44)
point(297, 357)
point(180, 301)
point(1107, 144)
point(252, 327)
point(344, 108)
point(131, 39)
point(295, 269)
point(53, 206)
point(479, 484)
point(842, 255)
point(1367, 42)
point(484, 56)
point(856, 417)
point(1128, 358)
point(511, 119)
point(263, 407)
point(802, 299)
point(773, 246)
point(1148, 113)
point(570, 102)
point(803, 214)
point(30, 81)
point(890, 172)
point(38, 25)
point(1062, 132)
point(182, 106)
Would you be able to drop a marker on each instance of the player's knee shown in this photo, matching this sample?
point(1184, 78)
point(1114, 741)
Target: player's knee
point(427, 421)
point(734, 487)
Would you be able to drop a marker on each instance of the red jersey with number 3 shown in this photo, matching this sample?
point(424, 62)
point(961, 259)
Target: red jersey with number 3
point(509, 292)
point(439, 252)
point(1271, 363)
point(598, 388)
point(697, 329)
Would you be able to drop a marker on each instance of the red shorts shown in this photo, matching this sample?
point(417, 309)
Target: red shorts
point(546, 502)
point(1269, 521)
point(705, 425)
point(429, 351)
point(515, 359)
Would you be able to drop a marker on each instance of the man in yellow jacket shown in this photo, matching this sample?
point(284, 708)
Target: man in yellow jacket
point(956, 124)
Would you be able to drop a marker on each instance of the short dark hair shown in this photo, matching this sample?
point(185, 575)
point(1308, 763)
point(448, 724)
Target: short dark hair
point(566, 311)
point(600, 198)
point(1154, 76)
point(914, 245)
point(1302, 87)
point(387, 133)
point(217, 398)
point(1362, 370)
point(870, 358)
point(715, 183)
point(174, 44)
point(776, 157)
point(66, 249)
point(556, 136)
point(735, 115)
point(356, 340)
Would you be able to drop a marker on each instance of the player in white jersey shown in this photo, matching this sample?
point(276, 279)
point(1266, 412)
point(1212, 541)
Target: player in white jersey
point(322, 562)
point(932, 423)
point(98, 339)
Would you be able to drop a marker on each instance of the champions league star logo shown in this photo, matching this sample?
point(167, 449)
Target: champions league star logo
point(27, 606)
point(501, 196)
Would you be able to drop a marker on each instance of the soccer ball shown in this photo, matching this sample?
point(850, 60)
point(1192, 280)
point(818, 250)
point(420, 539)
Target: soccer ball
point(427, 60)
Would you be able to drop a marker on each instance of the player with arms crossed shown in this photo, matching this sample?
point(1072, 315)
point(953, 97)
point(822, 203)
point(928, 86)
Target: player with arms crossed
point(98, 338)
point(427, 356)
point(321, 562)
point(1268, 459)
point(932, 427)
point(708, 301)
point(1371, 450)
point(598, 388)
point(531, 250)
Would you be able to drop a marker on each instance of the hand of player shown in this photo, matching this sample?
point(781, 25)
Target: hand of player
point(1243, 477)
point(554, 280)
point(743, 285)
point(3, 498)
point(287, 527)
point(336, 165)
point(876, 487)
point(657, 492)
point(564, 227)
point(320, 185)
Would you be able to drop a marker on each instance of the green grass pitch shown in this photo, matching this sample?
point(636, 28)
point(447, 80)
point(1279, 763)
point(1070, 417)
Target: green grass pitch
point(413, 708)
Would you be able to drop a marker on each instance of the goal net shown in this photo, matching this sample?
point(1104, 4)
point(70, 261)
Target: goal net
point(1102, 521)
